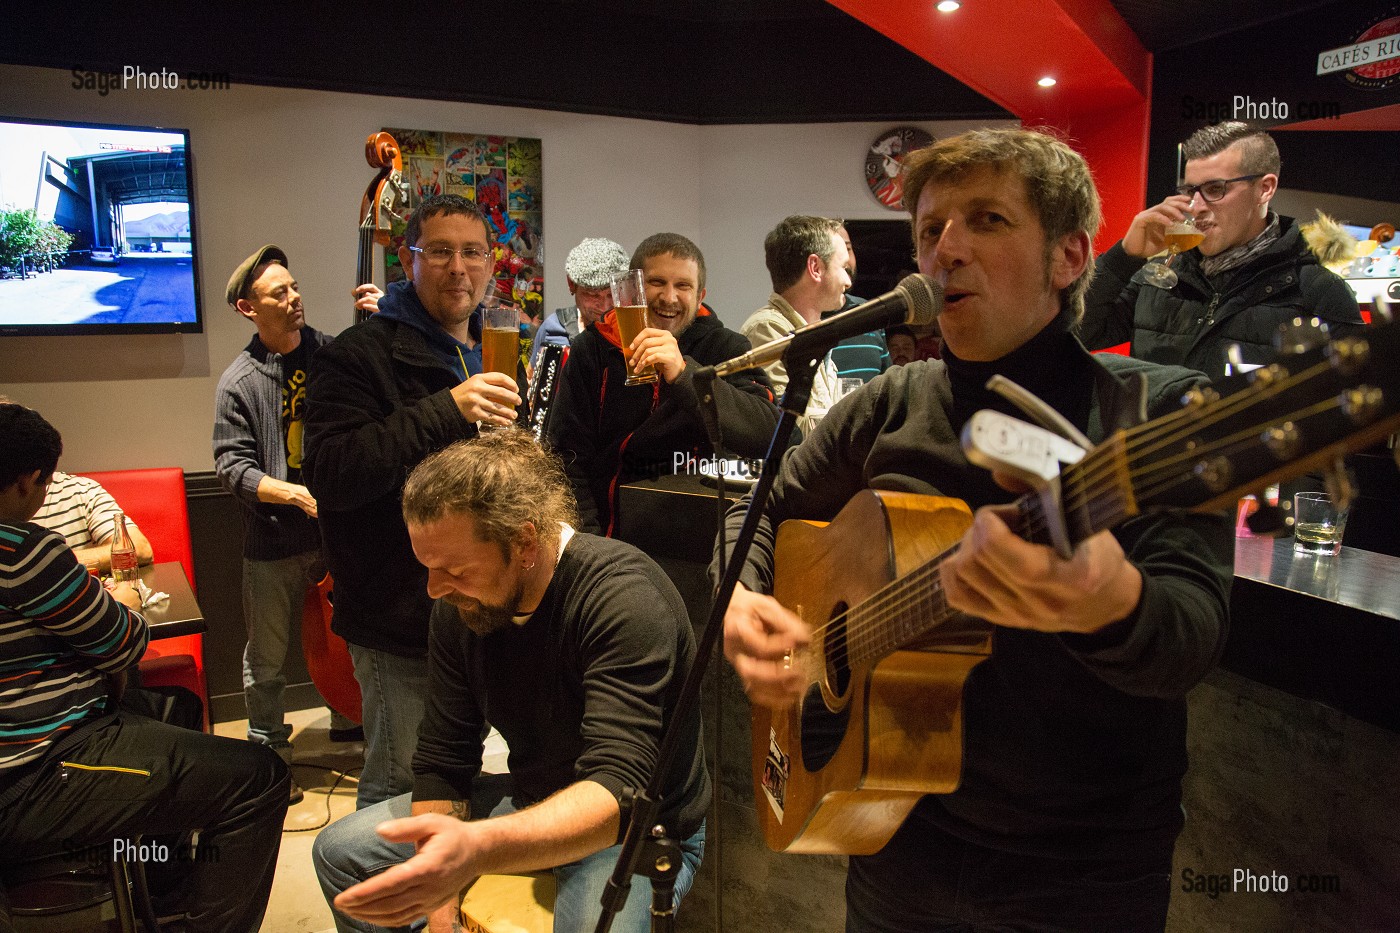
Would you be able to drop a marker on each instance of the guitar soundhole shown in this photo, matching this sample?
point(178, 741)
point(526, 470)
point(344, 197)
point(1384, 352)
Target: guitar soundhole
point(822, 727)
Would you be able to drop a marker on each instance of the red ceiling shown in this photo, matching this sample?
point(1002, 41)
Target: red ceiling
point(1001, 48)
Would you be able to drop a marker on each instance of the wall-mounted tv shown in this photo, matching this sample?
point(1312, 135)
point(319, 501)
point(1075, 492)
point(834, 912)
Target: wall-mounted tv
point(97, 231)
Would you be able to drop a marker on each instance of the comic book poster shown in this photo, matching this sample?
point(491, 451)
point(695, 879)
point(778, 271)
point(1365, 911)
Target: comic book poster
point(503, 175)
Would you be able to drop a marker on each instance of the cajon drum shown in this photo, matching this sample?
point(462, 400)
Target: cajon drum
point(509, 904)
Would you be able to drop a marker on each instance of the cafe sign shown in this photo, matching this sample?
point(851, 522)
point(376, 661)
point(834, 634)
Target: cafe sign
point(1372, 61)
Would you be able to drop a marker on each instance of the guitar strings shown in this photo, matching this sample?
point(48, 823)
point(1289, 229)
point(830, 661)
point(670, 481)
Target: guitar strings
point(1093, 477)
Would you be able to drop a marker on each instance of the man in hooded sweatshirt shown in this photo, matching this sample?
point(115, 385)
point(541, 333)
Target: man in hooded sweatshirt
point(385, 394)
point(609, 434)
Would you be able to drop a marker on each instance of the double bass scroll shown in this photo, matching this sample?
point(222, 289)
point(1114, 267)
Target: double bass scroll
point(384, 201)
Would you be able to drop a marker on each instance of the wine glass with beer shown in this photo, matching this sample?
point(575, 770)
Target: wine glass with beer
point(630, 305)
point(1180, 237)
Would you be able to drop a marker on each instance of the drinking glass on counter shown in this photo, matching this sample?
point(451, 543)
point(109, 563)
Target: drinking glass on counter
point(630, 304)
point(1318, 524)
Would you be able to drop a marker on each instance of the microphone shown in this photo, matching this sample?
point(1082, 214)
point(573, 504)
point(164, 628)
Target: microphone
point(917, 300)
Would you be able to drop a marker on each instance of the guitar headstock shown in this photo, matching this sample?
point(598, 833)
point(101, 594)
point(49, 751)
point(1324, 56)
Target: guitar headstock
point(1244, 432)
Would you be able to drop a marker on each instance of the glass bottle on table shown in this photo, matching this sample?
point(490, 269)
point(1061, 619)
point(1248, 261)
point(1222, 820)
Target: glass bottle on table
point(123, 553)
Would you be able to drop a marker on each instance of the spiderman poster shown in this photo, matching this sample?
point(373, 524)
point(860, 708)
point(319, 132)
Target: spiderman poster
point(502, 174)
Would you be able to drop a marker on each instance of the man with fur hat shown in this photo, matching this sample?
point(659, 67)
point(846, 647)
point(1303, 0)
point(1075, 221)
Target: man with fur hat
point(589, 271)
point(608, 433)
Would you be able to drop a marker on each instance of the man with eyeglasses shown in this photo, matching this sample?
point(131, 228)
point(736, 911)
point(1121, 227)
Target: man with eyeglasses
point(1252, 273)
point(384, 395)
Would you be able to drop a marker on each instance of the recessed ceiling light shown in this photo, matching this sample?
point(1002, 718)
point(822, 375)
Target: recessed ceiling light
point(1046, 82)
point(948, 6)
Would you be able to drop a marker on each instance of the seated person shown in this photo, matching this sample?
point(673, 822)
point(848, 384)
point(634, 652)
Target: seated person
point(85, 514)
point(904, 346)
point(608, 433)
point(575, 648)
point(863, 356)
point(77, 771)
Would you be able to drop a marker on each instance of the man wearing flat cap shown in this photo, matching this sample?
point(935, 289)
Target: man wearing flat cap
point(258, 416)
point(589, 270)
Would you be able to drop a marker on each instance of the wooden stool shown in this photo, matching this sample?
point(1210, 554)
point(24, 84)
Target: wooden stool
point(509, 904)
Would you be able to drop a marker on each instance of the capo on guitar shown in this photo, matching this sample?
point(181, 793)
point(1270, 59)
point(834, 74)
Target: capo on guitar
point(1032, 455)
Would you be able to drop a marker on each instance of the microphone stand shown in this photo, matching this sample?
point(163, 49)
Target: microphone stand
point(646, 837)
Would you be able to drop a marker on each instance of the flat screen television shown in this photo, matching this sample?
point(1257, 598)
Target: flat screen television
point(97, 231)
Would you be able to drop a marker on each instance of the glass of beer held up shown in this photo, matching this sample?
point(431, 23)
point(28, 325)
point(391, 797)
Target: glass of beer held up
point(630, 304)
point(1180, 237)
point(500, 340)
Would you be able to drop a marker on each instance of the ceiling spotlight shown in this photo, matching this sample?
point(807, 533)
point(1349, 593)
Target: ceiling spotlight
point(1046, 82)
point(948, 6)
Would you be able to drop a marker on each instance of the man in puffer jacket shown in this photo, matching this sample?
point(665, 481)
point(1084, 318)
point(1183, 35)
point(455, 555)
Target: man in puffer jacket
point(1252, 273)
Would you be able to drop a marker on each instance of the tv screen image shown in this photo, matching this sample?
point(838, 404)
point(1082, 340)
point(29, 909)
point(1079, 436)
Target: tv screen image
point(96, 229)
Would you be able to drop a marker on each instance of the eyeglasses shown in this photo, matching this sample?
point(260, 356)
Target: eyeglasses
point(442, 255)
point(1214, 190)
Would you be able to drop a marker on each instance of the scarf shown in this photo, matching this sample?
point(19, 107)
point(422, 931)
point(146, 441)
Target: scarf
point(1245, 253)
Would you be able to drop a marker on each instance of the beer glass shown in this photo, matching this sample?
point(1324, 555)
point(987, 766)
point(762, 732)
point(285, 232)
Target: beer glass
point(500, 342)
point(1181, 237)
point(500, 339)
point(630, 304)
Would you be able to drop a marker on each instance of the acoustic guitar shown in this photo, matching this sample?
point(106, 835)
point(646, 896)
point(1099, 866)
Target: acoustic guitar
point(880, 723)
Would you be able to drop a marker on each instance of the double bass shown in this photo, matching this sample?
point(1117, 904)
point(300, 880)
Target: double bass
point(383, 203)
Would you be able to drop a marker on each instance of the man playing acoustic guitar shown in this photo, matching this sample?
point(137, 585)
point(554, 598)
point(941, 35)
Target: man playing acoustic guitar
point(1070, 795)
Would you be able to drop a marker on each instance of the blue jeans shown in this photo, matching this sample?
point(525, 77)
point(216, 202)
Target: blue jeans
point(274, 592)
point(349, 851)
point(393, 690)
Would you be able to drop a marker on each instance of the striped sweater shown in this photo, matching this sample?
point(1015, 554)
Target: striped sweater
point(60, 632)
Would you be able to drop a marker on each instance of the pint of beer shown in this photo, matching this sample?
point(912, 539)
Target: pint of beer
point(500, 340)
point(630, 305)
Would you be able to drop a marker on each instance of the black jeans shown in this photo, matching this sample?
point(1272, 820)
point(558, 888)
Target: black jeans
point(134, 776)
point(927, 881)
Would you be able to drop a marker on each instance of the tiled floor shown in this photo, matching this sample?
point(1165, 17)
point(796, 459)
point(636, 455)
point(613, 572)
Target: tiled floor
point(296, 905)
point(325, 770)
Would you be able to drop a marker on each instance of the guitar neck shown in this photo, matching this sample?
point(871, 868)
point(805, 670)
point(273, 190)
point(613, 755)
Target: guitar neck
point(1231, 438)
point(914, 608)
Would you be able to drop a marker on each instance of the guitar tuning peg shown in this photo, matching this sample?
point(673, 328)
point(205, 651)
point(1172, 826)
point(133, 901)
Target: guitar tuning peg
point(1339, 484)
point(1268, 521)
point(1300, 335)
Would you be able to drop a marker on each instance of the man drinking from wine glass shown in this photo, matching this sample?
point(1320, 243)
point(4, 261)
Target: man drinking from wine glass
point(1251, 273)
point(1074, 727)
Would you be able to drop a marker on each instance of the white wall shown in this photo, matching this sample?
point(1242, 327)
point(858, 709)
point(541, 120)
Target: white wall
point(287, 166)
point(751, 177)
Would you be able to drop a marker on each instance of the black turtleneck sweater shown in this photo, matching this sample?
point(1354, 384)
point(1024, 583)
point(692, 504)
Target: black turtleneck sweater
point(1075, 745)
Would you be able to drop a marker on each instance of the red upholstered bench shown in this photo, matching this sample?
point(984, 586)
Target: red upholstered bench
point(155, 500)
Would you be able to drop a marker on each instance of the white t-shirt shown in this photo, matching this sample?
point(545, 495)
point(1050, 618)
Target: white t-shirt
point(81, 510)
